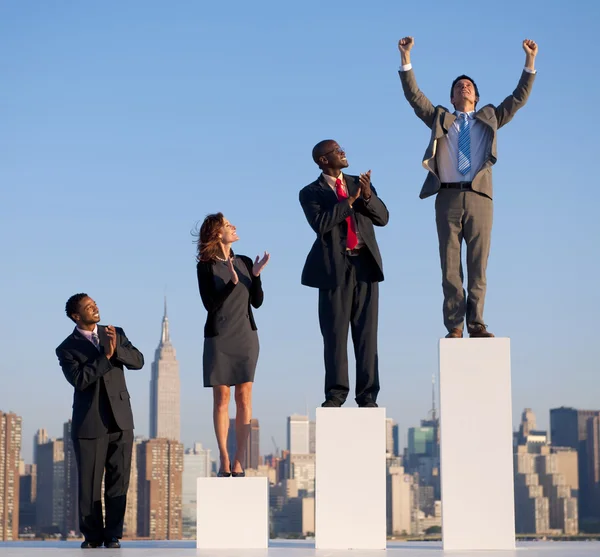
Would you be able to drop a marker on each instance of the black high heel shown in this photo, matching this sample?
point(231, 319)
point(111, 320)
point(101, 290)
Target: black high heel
point(223, 474)
point(241, 474)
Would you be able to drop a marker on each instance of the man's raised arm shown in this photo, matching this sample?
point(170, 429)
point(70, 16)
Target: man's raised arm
point(509, 106)
point(415, 97)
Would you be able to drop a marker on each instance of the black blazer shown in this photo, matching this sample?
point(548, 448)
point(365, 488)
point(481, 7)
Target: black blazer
point(326, 261)
point(213, 299)
point(99, 382)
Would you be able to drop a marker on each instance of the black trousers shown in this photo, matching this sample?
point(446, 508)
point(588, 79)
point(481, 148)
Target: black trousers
point(108, 456)
point(355, 305)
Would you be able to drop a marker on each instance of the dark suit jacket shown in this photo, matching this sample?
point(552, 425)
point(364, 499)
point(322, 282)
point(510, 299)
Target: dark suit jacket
point(99, 382)
point(440, 119)
point(326, 262)
point(213, 299)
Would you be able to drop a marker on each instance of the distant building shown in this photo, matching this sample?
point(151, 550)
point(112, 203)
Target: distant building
point(160, 472)
point(196, 464)
point(50, 501)
point(298, 434)
point(10, 456)
point(27, 496)
point(165, 404)
point(575, 428)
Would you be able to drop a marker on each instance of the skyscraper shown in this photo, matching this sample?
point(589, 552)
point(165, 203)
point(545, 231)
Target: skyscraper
point(50, 502)
point(10, 455)
point(160, 471)
point(298, 434)
point(27, 496)
point(165, 407)
point(389, 437)
point(196, 464)
point(40, 438)
point(593, 454)
point(252, 453)
point(569, 428)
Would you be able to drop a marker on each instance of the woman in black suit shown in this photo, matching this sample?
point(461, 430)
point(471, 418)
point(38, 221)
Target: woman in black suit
point(230, 286)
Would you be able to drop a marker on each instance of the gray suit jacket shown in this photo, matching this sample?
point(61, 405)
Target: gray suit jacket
point(439, 119)
point(326, 262)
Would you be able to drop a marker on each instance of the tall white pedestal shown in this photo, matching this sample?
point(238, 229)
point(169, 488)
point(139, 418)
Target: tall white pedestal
point(233, 513)
point(350, 478)
point(476, 444)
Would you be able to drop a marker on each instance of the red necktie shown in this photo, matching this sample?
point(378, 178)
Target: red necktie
point(352, 238)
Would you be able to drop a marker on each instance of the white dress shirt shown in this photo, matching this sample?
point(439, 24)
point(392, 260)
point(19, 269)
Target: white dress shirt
point(330, 181)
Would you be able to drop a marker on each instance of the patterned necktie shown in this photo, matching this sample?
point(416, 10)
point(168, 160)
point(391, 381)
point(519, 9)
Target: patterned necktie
point(95, 340)
point(464, 145)
point(352, 238)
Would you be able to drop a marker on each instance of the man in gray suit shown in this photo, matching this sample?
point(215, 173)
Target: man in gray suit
point(459, 158)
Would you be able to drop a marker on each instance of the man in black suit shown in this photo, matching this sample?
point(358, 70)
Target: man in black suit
point(92, 359)
point(345, 265)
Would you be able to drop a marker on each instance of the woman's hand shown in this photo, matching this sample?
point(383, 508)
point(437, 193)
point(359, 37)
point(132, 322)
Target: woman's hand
point(260, 264)
point(234, 277)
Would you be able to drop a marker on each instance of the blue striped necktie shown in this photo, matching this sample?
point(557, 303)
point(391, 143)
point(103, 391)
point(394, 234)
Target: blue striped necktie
point(95, 340)
point(464, 144)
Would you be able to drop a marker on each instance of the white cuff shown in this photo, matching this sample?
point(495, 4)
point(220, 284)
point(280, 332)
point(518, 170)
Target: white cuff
point(529, 71)
point(406, 67)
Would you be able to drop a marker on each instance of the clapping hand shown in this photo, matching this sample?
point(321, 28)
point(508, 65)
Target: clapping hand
point(365, 185)
point(112, 341)
point(234, 276)
point(260, 263)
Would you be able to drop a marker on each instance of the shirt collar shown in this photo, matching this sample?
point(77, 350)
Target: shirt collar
point(470, 115)
point(330, 180)
point(88, 334)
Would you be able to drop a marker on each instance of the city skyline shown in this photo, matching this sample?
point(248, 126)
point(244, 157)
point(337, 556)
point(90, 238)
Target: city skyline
point(548, 487)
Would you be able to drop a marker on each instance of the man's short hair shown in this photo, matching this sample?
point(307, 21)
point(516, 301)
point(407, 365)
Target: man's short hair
point(72, 305)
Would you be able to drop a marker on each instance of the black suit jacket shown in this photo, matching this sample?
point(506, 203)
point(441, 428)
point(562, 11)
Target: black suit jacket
point(100, 388)
point(326, 262)
point(213, 299)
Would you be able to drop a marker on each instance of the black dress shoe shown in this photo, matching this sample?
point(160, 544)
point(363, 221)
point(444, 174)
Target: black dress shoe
point(369, 404)
point(113, 543)
point(330, 403)
point(88, 544)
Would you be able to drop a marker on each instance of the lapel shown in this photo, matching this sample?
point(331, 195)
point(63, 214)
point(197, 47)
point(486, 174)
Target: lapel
point(86, 344)
point(447, 121)
point(351, 184)
point(327, 188)
point(484, 117)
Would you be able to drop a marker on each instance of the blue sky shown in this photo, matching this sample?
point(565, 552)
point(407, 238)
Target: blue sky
point(123, 124)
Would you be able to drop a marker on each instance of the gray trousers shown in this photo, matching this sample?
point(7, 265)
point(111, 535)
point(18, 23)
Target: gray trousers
point(463, 215)
point(354, 305)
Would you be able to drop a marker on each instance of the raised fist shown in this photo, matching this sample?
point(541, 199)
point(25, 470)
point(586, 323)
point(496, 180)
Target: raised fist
point(406, 44)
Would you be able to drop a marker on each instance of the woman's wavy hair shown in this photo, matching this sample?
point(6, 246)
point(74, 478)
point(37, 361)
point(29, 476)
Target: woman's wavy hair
point(209, 243)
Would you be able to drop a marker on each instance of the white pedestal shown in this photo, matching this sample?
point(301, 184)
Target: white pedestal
point(233, 513)
point(476, 444)
point(350, 478)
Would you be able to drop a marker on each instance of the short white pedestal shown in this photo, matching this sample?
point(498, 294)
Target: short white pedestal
point(350, 478)
point(233, 513)
point(476, 444)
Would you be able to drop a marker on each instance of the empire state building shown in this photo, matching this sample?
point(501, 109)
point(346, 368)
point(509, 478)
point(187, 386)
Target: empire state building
point(165, 412)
